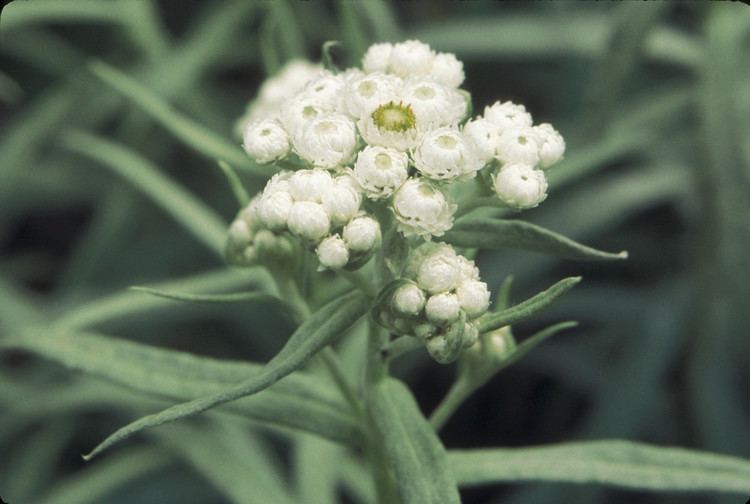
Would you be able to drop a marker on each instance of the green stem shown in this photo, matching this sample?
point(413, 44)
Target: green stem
point(458, 393)
point(360, 281)
point(333, 366)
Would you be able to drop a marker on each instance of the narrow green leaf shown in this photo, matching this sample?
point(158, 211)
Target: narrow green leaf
point(416, 454)
point(534, 304)
point(22, 14)
point(535, 340)
point(192, 134)
point(289, 32)
point(239, 191)
point(232, 297)
point(323, 328)
point(618, 463)
point(198, 219)
point(10, 90)
point(487, 233)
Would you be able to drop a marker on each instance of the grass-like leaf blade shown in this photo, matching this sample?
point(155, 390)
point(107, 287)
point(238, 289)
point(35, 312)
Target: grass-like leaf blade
point(417, 456)
point(324, 327)
point(618, 463)
point(488, 233)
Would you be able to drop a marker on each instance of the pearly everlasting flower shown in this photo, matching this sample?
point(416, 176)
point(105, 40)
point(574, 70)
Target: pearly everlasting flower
point(422, 209)
point(474, 297)
point(274, 208)
point(332, 252)
point(409, 299)
point(288, 81)
point(442, 308)
point(377, 58)
point(551, 144)
point(342, 200)
point(482, 136)
point(310, 185)
point(448, 70)
point(361, 233)
point(508, 115)
point(278, 182)
point(309, 220)
point(518, 146)
point(328, 141)
point(365, 93)
point(266, 141)
point(410, 59)
point(440, 271)
point(392, 125)
point(326, 89)
point(380, 171)
point(434, 104)
point(443, 155)
point(299, 112)
point(520, 186)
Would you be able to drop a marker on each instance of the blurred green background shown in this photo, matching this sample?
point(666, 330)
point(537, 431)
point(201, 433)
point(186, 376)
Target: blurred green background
point(652, 98)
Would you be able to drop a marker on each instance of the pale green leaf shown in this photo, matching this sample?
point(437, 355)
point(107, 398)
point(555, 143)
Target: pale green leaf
point(534, 340)
point(323, 328)
point(198, 219)
point(186, 130)
point(416, 454)
point(232, 297)
point(534, 304)
point(618, 463)
point(485, 233)
point(239, 191)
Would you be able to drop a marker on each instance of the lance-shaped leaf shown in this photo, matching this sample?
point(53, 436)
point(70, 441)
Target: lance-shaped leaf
point(323, 328)
point(487, 233)
point(524, 309)
point(618, 463)
point(416, 454)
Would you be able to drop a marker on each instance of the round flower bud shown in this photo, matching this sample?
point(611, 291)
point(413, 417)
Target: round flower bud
point(422, 209)
point(409, 299)
point(518, 146)
point(470, 336)
point(333, 252)
point(442, 308)
point(443, 155)
point(377, 57)
point(411, 58)
point(328, 141)
point(424, 331)
point(288, 81)
point(240, 233)
point(365, 93)
point(298, 112)
point(520, 186)
point(279, 182)
point(309, 220)
point(434, 104)
point(361, 233)
point(551, 144)
point(274, 208)
point(508, 115)
point(469, 270)
point(266, 141)
point(310, 185)
point(440, 271)
point(342, 201)
point(326, 89)
point(380, 171)
point(474, 297)
point(482, 137)
point(447, 70)
point(392, 124)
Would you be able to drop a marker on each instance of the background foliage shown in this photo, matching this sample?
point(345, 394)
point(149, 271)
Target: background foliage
point(96, 194)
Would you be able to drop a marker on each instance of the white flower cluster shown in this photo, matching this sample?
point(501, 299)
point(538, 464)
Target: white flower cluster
point(439, 293)
point(320, 209)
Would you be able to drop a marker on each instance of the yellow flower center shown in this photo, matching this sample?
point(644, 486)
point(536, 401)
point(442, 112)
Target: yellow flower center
point(395, 117)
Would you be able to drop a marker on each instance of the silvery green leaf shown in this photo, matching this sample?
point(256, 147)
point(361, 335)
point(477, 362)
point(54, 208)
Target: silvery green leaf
point(617, 463)
point(485, 233)
point(413, 449)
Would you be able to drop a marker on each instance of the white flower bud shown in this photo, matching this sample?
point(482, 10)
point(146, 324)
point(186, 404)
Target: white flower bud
point(442, 308)
point(482, 137)
point(288, 81)
point(520, 186)
point(508, 115)
point(474, 297)
point(443, 155)
point(377, 57)
point(309, 220)
point(239, 232)
point(518, 146)
point(422, 209)
point(440, 271)
point(447, 70)
point(411, 58)
point(367, 92)
point(470, 336)
point(380, 171)
point(274, 208)
point(266, 141)
point(434, 104)
point(469, 270)
point(298, 112)
point(310, 185)
point(361, 233)
point(342, 201)
point(409, 299)
point(327, 90)
point(392, 125)
point(328, 141)
point(278, 182)
point(551, 144)
point(333, 252)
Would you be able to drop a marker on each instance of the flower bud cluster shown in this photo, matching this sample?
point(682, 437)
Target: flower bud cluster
point(437, 301)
